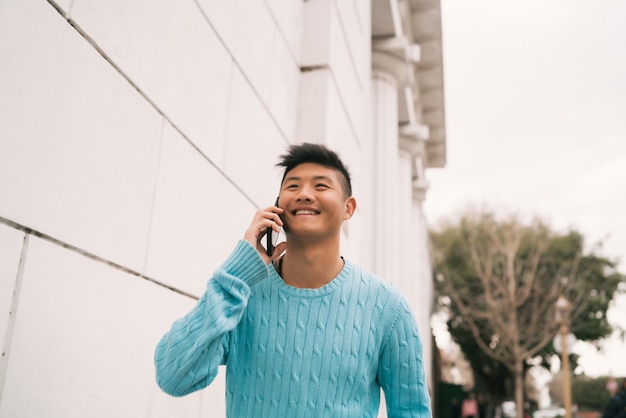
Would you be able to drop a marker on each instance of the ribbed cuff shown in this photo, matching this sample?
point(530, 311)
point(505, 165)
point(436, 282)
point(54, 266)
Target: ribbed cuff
point(246, 264)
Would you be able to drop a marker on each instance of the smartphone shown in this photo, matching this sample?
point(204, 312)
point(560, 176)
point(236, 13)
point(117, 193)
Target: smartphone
point(269, 244)
point(271, 237)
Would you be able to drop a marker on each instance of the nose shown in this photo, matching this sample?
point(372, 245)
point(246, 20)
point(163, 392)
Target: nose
point(304, 194)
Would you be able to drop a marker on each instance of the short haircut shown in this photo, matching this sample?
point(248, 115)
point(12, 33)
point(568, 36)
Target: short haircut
point(317, 154)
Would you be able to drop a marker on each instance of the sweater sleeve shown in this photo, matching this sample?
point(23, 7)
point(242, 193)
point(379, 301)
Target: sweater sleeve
point(188, 355)
point(401, 371)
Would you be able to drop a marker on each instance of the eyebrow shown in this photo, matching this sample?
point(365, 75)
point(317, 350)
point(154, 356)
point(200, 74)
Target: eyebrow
point(292, 178)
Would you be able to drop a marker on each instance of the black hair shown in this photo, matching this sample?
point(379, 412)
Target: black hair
point(317, 154)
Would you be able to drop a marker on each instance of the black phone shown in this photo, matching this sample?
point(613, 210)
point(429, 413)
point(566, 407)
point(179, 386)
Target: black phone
point(269, 245)
point(269, 235)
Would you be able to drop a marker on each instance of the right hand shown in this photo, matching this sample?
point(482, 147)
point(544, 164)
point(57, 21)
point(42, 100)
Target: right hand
point(264, 218)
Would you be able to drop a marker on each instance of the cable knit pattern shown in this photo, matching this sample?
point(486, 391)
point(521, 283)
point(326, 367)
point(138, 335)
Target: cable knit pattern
point(293, 352)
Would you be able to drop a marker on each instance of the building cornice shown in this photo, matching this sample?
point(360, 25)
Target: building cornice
point(407, 44)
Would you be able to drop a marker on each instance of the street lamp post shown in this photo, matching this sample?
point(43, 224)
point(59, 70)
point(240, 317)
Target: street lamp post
point(563, 307)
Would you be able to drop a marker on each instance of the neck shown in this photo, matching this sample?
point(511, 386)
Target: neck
point(310, 267)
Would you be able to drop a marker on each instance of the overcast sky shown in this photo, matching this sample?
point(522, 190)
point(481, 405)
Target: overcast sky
point(536, 122)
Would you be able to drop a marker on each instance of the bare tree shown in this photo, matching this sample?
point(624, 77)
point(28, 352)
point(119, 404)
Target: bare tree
point(506, 288)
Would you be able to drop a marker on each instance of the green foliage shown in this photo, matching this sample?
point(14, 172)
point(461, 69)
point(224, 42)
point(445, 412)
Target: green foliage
point(590, 394)
point(546, 264)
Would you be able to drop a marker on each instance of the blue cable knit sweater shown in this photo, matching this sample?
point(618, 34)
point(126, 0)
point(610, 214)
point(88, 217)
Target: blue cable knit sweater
point(293, 352)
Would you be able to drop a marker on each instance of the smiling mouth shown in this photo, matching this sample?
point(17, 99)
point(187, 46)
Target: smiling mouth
point(305, 212)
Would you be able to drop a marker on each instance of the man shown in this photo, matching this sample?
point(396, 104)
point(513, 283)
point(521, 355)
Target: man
point(617, 405)
point(302, 333)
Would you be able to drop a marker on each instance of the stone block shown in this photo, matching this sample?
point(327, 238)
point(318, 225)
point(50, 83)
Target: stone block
point(79, 154)
point(316, 33)
point(172, 55)
point(198, 217)
point(84, 341)
point(288, 17)
point(312, 123)
point(247, 29)
point(338, 45)
point(11, 241)
point(253, 145)
point(358, 37)
point(283, 96)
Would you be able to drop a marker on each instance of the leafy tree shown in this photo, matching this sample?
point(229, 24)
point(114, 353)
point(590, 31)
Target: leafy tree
point(590, 394)
point(499, 280)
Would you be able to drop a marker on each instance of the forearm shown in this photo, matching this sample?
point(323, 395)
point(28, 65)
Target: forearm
point(188, 356)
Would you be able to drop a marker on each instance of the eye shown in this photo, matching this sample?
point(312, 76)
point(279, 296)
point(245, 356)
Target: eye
point(321, 185)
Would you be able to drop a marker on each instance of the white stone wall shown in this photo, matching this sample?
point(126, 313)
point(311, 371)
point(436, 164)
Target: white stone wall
point(137, 138)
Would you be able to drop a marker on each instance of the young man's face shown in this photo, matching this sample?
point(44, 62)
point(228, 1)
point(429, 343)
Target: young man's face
point(314, 201)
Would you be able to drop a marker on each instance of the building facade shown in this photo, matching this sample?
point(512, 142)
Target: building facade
point(137, 139)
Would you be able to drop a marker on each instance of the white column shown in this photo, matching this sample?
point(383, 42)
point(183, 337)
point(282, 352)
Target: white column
point(407, 278)
point(385, 222)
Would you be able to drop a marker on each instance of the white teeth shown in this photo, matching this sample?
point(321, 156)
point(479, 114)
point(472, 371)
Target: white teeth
point(305, 212)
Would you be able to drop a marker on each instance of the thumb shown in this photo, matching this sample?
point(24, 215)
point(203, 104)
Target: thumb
point(279, 249)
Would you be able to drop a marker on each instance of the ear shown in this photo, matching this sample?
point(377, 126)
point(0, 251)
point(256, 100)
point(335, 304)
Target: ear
point(350, 208)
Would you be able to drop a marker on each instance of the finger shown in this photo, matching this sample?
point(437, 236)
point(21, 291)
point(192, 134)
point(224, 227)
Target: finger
point(274, 216)
point(263, 219)
point(279, 249)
